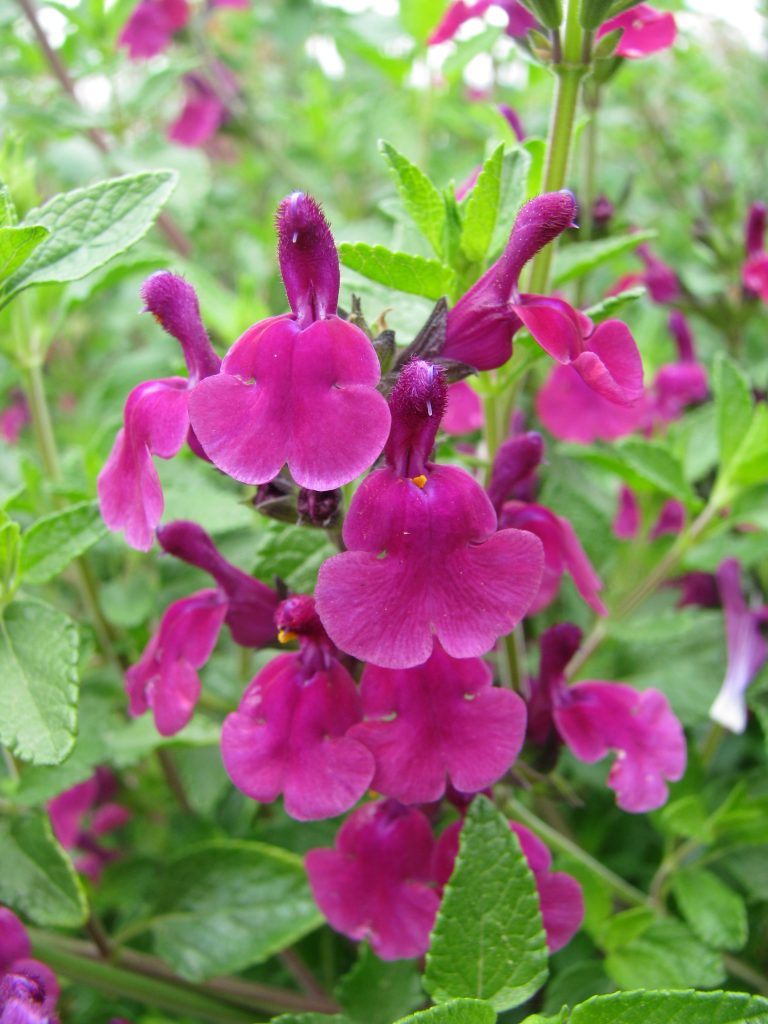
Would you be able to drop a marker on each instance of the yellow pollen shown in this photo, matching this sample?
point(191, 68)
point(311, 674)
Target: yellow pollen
point(284, 636)
point(420, 481)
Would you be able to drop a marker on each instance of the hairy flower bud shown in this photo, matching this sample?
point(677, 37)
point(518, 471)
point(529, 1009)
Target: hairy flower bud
point(309, 263)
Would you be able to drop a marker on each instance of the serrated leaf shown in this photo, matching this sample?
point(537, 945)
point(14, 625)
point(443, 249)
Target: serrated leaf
point(37, 878)
point(17, 244)
point(583, 257)
point(672, 1008)
point(666, 955)
point(89, 226)
point(714, 911)
point(50, 544)
point(488, 941)
point(229, 904)
point(399, 270)
point(512, 194)
point(38, 681)
point(422, 199)
point(482, 208)
point(610, 306)
point(457, 1011)
point(293, 553)
point(733, 405)
point(377, 991)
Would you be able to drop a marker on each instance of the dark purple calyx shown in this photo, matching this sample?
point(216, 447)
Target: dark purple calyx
point(515, 461)
point(683, 336)
point(755, 228)
point(172, 301)
point(309, 263)
point(417, 404)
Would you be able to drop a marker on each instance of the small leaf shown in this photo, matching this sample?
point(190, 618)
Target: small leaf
point(583, 257)
point(17, 245)
point(456, 1011)
point(714, 911)
point(642, 464)
point(38, 681)
point(226, 905)
point(422, 199)
point(377, 991)
point(488, 941)
point(50, 544)
point(310, 1018)
point(666, 955)
point(749, 462)
point(89, 226)
point(733, 404)
point(37, 878)
point(610, 306)
point(398, 270)
point(512, 194)
point(482, 208)
point(669, 1007)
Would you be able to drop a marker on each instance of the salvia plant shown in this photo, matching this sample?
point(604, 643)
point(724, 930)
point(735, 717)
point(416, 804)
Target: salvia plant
point(382, 622)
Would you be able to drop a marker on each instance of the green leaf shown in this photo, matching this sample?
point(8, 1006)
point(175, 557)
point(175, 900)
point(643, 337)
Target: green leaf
point(91, 225)
point(733, 404)
point(50, 544)
point(749, 462)
point(537, 151)
point(582, 257)
point(488, 941)
point(377, 991)
point(672, 1008)
point(229, 904)
point(38, 681)
point(37, 877)
point(482, 208)
point(420, 17)
point(399, 270)
point(309, 1018)
point(610, 306)
point(642, 464)
point(514, 176)
point(665, 955)
point(422, 199)
point(10, 535)
point(457, 1011)
point(17, 245)
point(293, 553)
point(538, 1018)
point(713, 910)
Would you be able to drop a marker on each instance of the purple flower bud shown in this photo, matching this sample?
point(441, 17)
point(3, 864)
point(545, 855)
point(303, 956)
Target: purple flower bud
point(151, 26)
point(308, 259)
point(516, 460)
point(513, 120)
point(671, 519)
point(172, 301)
point(627, 520)
point(417, 404)
point(754, 233)
point(319, 508)
point(602, 210)
point(660, 279)
point(28, 994)
point(698, 589)
point(681, 332)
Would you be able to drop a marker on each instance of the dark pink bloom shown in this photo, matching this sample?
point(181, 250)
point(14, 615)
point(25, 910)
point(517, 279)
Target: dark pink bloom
point(434, 565)
point(28, 989)
point(572, 411)
point(377, 882)
point(14, 416)
point(659, 278)
point(560, 898)
point(14, 942)
point(626, 523)
point(464, 410)
point(519, 19)
point(483, 322)
point(671, 519)
point(165, 678)
point(151, 27)
point(440, 722)
point(156, 417)
point(242, 4)
point(513, 120)
point(298, 388)
point(81, 815)
point(201, 116)
point(680, 384)
point(289, 733)
point(250, 604)
point(646, 31)
point(697, 588)
point(747, 649)
point(514, 468)
point(602, 211)
point(595, 717)
point(755, 270)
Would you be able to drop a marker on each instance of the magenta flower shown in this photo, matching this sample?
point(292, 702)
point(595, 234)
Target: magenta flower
point(645, 31)
point(747, 649)
point(156, 417)
point(289, 734)
point(463, 411)
point(298, 388)
point(682, 383)
point(28, 989)
point(560, 897)
point(377, 882)
point(755, 270)
point(698, 589)
point(250, 604)
point(572, 411)
point(595, 717)
point(201, 116)
point(165, 677)
point(151, 27)
point(81, 815)
point(434, 565)
point(440, 722)
point(513, 474)
point(626, 523)
point(14, 416)
point(519, 19)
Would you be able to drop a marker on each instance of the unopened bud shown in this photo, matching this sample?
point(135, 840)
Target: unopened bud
point(319, 508)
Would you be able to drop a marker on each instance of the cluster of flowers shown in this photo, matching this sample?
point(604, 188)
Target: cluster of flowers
point(150, 29)
point(29, 990)
point(434, 571)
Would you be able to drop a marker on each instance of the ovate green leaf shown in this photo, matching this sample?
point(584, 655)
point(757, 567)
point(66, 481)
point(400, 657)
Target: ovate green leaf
point(398, 270)
point(672, 1008)
point(488, 941)
point(583, 257)
point(666, 955)
point(38, 681)
point(50, 544)
point(713, 910)
point(378, 991)
point(733, 404)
